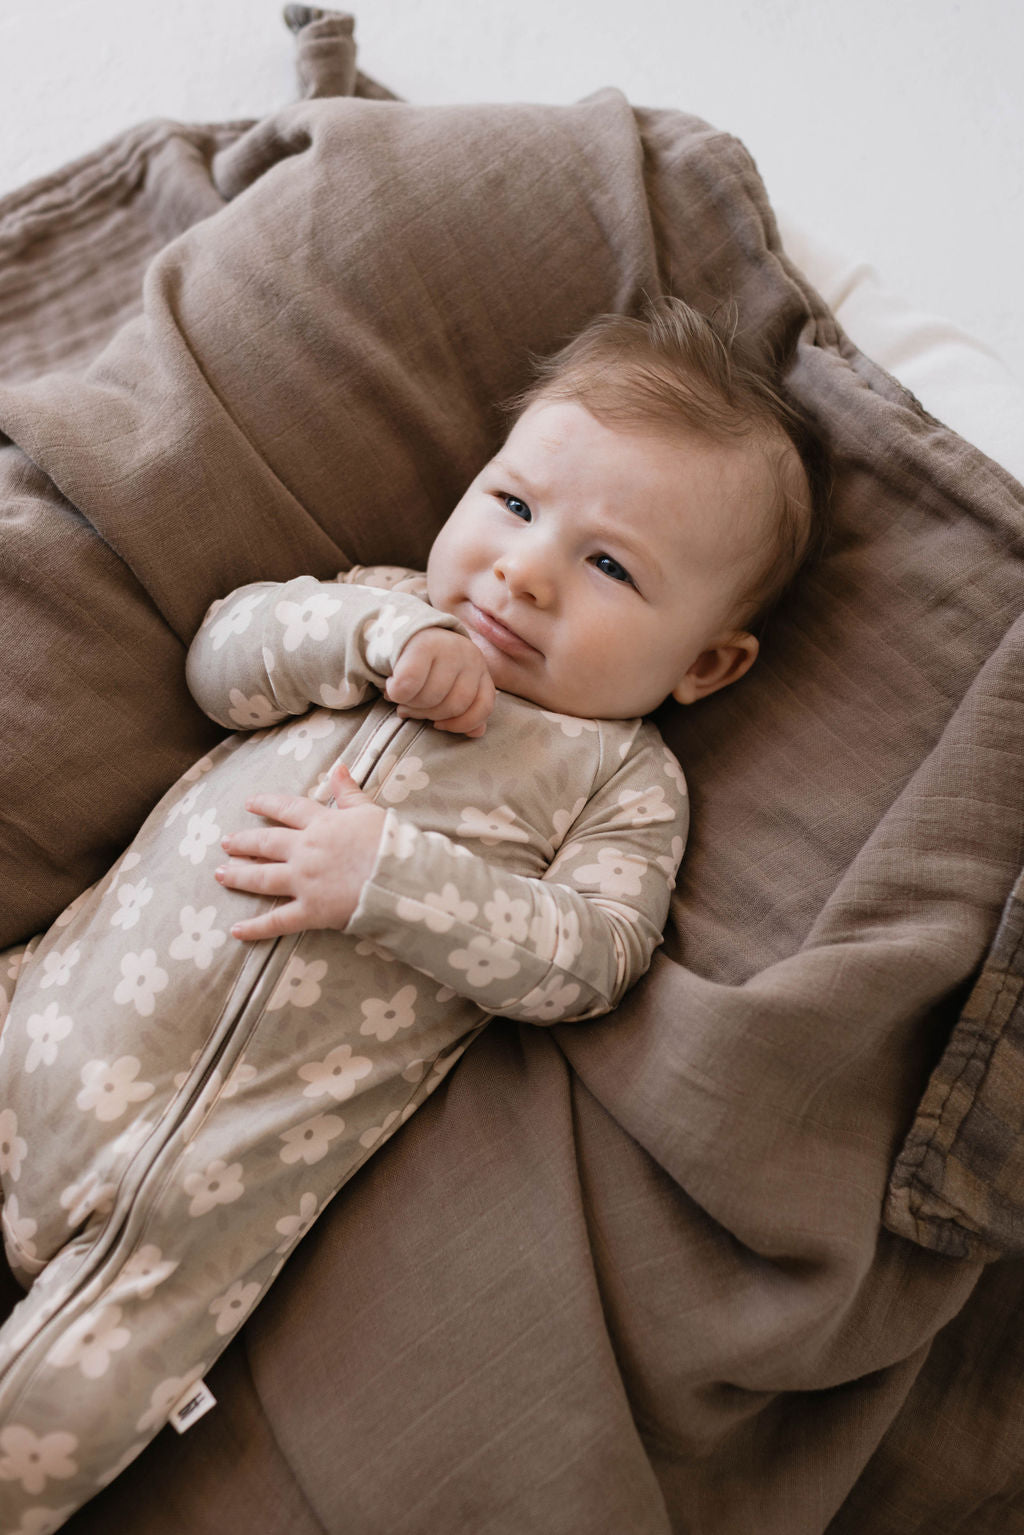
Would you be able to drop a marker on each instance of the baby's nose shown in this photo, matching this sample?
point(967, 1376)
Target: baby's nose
point(527, 575)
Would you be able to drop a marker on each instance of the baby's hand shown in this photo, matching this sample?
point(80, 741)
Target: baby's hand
point(318, 855)
point(442, 676)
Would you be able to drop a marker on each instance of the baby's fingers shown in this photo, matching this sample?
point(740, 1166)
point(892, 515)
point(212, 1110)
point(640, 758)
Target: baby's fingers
point(270, 924)
point(269, 842)
point(256, 878)
point(472, 721)
point(287, 809)
point(409, 677)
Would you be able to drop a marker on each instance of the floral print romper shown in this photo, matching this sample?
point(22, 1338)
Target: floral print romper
point(177, 1107)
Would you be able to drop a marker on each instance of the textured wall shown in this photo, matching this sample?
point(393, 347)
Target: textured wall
point(891, 128)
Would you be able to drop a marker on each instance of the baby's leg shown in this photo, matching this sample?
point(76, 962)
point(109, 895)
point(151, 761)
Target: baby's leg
point(141, 1302)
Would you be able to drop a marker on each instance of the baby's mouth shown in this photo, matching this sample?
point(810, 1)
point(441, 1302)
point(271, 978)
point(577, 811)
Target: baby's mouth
point(496, 633)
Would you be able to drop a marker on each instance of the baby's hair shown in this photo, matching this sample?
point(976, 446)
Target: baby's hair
point(674, 369)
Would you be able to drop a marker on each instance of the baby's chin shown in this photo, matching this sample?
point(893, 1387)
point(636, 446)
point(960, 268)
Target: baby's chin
point(554, 701)
point(517, 680)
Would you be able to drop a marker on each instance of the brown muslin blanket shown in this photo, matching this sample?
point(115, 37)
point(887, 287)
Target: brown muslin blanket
point(742, 1257)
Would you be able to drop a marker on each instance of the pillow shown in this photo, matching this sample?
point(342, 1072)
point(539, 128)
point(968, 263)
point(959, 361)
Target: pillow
point(956, 377)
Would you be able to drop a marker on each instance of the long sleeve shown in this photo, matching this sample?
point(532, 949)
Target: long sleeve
point(275, 649)
point(564, 946)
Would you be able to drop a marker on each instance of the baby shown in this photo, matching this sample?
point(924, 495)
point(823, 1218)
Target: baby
point(470, 816)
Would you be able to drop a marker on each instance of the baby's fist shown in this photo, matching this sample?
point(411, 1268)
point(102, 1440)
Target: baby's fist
point(442, 676)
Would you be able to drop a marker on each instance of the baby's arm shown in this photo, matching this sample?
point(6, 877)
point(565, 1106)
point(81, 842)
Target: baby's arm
point(565, 946)
point(271, 650)
point(561, 947)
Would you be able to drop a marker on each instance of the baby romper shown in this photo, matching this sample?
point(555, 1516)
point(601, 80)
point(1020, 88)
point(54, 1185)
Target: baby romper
point(178, 1107)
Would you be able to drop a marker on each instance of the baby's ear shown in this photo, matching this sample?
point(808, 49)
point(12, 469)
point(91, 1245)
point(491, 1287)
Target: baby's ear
point(715, 668)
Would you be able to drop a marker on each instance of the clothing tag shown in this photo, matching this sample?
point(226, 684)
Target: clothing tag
point(188, 1409)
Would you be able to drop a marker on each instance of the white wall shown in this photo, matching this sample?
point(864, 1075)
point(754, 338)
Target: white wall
point(893, 129)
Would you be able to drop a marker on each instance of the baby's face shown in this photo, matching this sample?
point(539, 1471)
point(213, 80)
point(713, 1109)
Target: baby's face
point(599, 570)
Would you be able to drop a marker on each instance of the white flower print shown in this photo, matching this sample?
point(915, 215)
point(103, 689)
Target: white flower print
point(236, 620)
point(33, 1459)
point(165, 1396)
point(643, 807)
point(382, 1018)
point(70, 912)
point(45, 1030)
point(12, 1146)
point(58, 965)
point(563, 819)
point(205, 1097)
point(254, 713)
point(15, 960)
point(198, 768)
point(367, 946)
point(508, 916)
point(20, 1228)
point(414, 1072)
point(491, 826)
point(382, 636)
point(181, 1077)
point(232, 1308)
point(345, 695)
point(552, 999)
point(202, 833)
point(310, 1141)
point(670, 861)
point(306, 619)
point(294, 1227)
point(398, 838)
point(218, 1185)
point(240, 1077)
point(544, 927)
point(30, 1328)
point(185, 805)
point(108, 1090)
point(571, 724)
point(485, 960)
point(337, 1074)
point(439, 909)
point(673, 770)
point(299, 986)
point(43, 1520)
point(614, 873)
point(377, 1133)
point(141, 979)
point(144, 1270)
point(125, 1145)
point(298, 739)
point(86, 1198)
point(570, 941)
point(89, 1342)
point(403, 779)
point(130, 901)
point(198, 937)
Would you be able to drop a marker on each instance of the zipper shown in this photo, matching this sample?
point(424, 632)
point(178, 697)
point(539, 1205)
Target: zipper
point(365, 749)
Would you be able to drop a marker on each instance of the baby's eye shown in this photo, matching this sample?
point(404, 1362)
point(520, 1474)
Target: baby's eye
point(517, 508)
point(610, 567)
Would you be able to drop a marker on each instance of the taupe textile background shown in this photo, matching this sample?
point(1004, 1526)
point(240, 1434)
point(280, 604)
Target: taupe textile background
point(619, 1276)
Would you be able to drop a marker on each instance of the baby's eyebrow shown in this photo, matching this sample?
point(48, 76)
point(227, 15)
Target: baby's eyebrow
point(513, 473)
point(631, 547)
